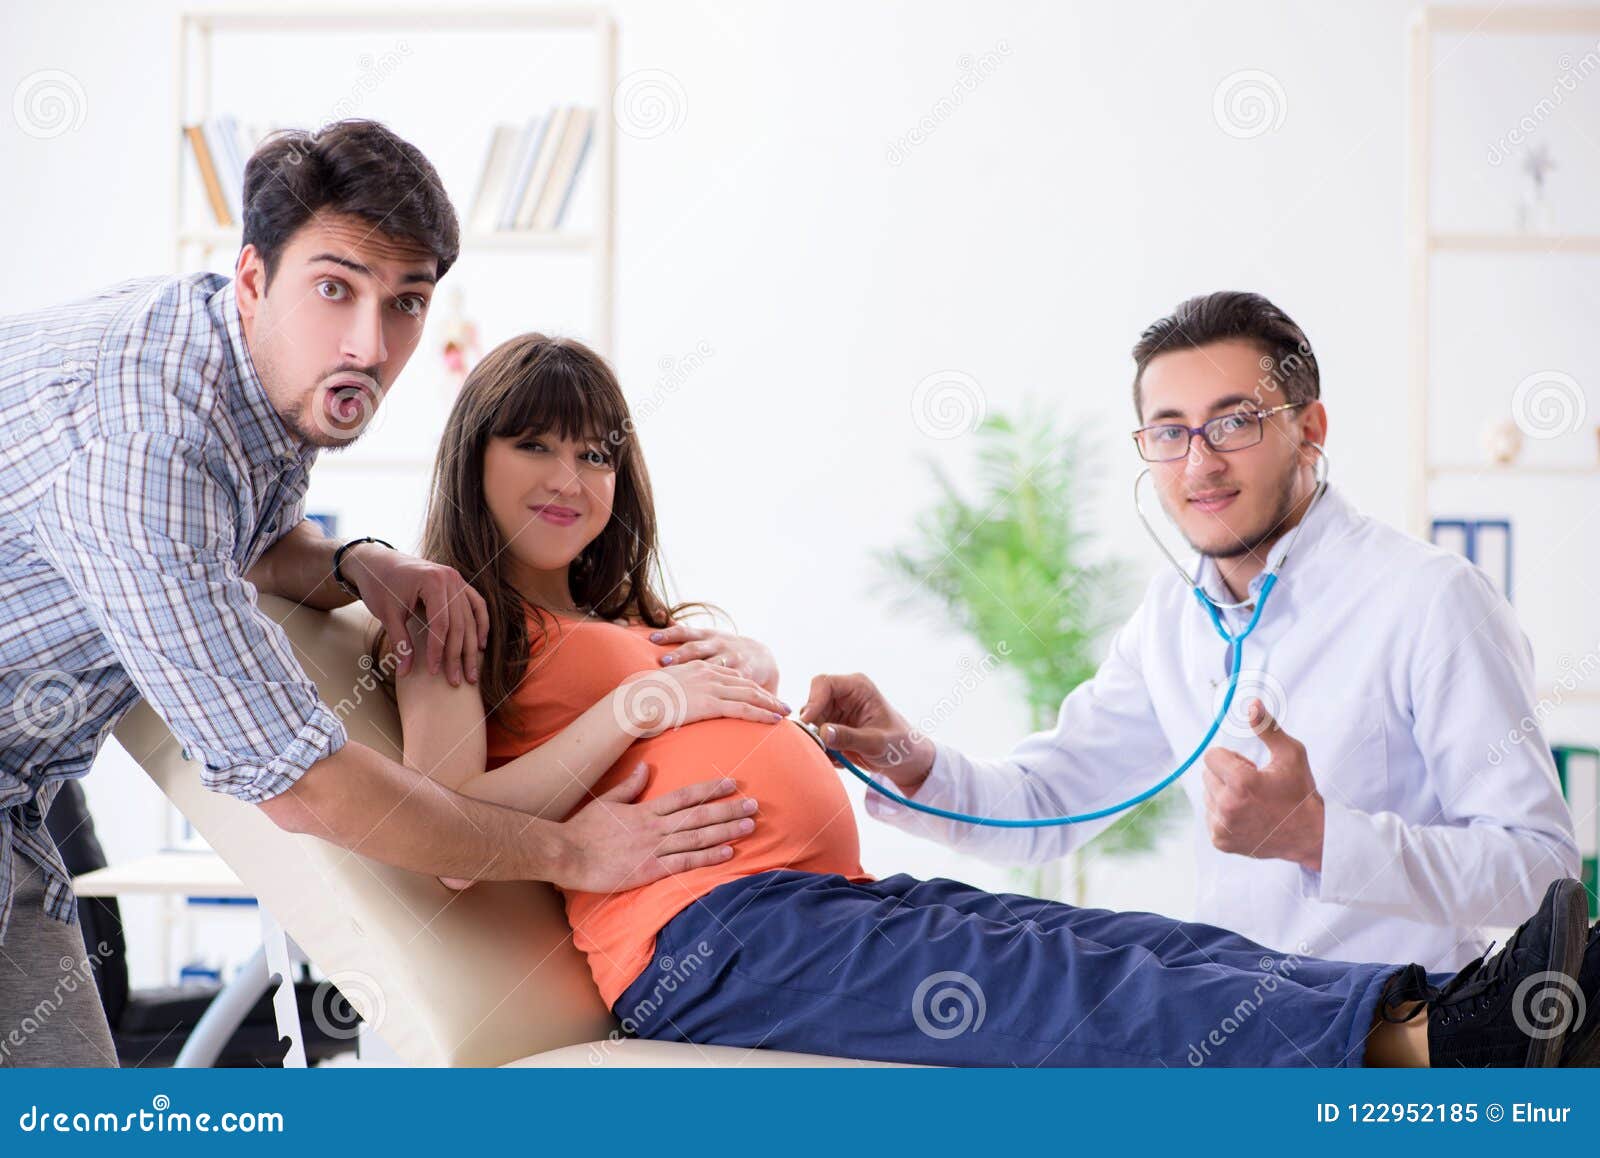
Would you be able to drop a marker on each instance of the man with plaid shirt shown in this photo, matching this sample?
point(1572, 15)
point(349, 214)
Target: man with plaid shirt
point(157, 438)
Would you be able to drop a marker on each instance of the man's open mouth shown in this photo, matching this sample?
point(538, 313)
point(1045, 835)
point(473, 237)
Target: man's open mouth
point(351, 399)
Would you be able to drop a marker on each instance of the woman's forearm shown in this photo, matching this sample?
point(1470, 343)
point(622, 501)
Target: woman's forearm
point(445, 740)
point(554, 778)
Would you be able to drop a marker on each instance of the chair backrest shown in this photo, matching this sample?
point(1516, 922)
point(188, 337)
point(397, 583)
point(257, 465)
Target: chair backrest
point(481, 977)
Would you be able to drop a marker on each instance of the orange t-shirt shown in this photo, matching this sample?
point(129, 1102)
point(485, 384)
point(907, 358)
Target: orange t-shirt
point(805, 821)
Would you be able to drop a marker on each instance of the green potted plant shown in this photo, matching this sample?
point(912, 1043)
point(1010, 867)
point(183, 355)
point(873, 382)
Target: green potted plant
point(1011, 563)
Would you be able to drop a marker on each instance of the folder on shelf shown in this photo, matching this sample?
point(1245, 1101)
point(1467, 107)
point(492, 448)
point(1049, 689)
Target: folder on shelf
point(1486, 542)
point(1492, 551)
point(1578, 769)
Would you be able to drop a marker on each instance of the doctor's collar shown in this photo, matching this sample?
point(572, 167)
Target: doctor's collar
point(1330, 508)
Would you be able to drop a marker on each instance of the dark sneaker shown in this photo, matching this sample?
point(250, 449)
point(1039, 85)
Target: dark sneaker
point(1583, 1043)
point(1514, 1008)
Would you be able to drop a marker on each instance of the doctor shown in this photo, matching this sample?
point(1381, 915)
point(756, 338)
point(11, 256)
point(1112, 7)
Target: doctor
point(1365, 798)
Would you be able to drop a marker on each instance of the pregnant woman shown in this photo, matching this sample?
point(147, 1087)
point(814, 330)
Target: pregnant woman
point(542, 499)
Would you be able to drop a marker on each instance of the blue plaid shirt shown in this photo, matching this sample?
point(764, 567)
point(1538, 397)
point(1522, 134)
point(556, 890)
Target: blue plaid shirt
point(144, 472)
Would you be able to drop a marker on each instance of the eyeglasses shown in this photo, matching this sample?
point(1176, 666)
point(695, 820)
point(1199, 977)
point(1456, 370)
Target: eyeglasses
point(1239, 430)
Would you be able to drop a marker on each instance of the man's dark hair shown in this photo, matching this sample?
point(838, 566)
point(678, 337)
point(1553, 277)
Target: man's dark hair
point(1286, 357)
point(354, 167)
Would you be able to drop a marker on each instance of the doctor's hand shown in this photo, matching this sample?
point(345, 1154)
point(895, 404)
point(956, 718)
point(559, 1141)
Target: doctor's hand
point(1273, 812)
point(855, 719)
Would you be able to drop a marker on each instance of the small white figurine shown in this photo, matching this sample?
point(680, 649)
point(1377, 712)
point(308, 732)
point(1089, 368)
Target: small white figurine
point(1503, 441)
point(1533, 212)
point(459, 347)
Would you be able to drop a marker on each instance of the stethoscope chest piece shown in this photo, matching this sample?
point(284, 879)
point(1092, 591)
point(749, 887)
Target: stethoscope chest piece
point(811, 730)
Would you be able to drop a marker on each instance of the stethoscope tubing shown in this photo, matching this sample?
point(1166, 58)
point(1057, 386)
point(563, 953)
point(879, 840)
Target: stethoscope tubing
point(1214, 613)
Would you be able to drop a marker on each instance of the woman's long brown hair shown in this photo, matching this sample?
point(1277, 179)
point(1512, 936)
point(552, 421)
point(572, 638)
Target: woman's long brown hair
point(532, 385)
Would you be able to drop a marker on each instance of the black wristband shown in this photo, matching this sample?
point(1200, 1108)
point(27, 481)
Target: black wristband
point(338, 557)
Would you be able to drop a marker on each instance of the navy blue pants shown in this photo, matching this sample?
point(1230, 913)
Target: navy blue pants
point(942, 973)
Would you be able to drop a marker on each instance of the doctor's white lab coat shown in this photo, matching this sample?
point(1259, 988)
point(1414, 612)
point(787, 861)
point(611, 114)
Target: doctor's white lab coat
point(1406, 676)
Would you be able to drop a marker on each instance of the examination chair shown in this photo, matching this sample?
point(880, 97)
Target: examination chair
point(484, 977)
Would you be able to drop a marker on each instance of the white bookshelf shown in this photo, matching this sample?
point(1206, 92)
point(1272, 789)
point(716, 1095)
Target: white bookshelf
point(196, 33)
point(1532, 243)
point(1574, 711)
point(1424, 243)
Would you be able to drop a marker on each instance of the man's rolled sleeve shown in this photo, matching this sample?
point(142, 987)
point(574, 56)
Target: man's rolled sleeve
point(318, 738)
point(144, 535)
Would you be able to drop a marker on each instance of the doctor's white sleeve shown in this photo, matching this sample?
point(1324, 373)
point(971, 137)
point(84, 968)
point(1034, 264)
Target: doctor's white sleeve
point(1502, 831)
point(1105, 747)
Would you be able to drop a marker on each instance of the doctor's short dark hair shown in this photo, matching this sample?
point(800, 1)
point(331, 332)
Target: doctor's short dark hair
point(1286, 358)
point(357, 168)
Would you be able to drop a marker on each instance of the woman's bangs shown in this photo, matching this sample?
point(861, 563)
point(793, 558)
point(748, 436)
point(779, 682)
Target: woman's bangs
point(557, 398)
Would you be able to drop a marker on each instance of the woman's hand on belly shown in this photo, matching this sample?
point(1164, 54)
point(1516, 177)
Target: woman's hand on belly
point(747, 657)
point(653, 702)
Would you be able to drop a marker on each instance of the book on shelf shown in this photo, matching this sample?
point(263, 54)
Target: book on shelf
point(219, 154)
point(208, 174)
point(570, 155)
point(530, 172)
point(496, 179)
point(527, 181)
point(555, 126)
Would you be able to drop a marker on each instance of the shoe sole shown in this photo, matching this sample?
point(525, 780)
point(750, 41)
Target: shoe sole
point(1584, 1050)
point(1569, 935)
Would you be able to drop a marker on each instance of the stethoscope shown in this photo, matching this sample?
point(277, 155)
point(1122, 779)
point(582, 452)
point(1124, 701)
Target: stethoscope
point(1213, 610)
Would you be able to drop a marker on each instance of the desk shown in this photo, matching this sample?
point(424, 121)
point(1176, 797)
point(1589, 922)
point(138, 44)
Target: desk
point(187, 874)
point(202, 873)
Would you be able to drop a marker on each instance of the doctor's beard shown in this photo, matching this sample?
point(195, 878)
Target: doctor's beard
point(1272, 529)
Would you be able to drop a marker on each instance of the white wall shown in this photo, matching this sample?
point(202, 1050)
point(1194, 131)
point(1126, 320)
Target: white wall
point(792, 226)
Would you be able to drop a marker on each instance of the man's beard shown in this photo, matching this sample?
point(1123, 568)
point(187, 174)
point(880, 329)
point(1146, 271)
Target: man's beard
point(312, 434)
point(326, 432)
point(1269, 534)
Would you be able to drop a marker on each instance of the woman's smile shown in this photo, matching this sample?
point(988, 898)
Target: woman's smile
point(555, 513)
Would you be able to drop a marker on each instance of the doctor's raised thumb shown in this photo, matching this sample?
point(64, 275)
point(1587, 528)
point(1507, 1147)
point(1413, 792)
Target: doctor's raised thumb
point(1261, 721)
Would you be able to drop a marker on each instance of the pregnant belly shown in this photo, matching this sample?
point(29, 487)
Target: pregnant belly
point(804, 815)
point(804, 822)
